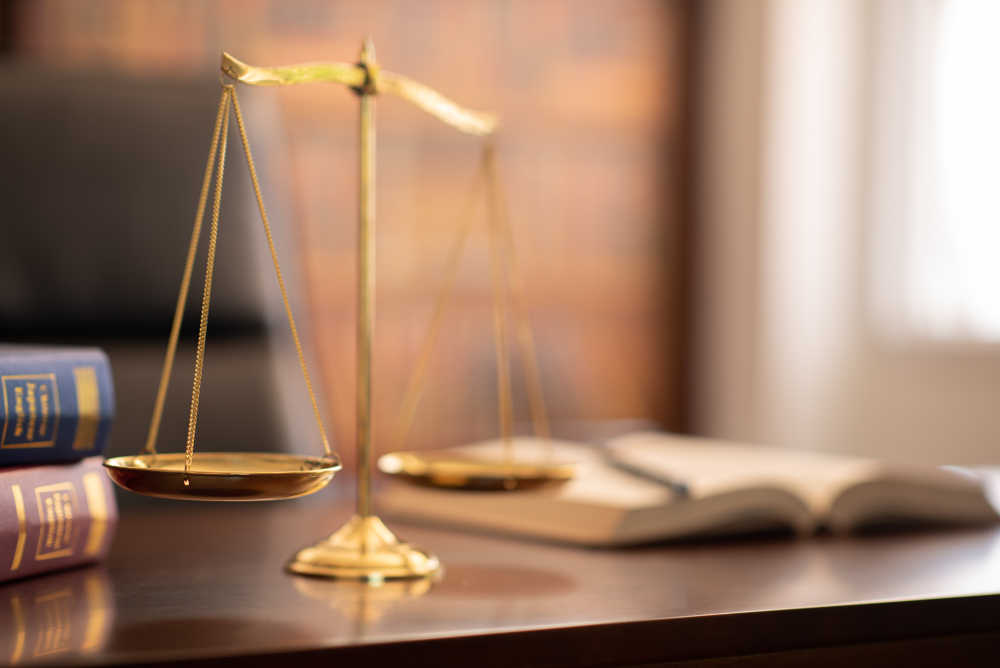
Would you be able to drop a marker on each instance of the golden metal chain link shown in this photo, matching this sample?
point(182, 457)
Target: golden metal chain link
point(498, 276)
point(168, 364)
point(277, 271)
point(522, 322)
point(213, 236)
point(414, 389)
point(218, 154)
point(506, 272)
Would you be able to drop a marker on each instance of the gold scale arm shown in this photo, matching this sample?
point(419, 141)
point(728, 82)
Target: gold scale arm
point(364, 547)
point(371, 78)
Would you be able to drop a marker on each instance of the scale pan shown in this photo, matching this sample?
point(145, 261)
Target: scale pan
point(223, 476)
point(452, 470)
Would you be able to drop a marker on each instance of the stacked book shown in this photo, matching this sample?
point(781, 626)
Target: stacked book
point(57, 507)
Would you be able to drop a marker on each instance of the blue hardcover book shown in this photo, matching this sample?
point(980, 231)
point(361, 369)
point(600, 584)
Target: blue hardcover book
point(57, 403)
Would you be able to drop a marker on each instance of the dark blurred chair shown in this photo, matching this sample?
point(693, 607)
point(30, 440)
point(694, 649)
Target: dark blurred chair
point(99, 181)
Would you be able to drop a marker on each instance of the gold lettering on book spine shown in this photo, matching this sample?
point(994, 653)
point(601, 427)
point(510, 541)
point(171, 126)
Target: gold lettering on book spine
point(22, 526)
point(88, 405)
point(57, 510)
point(93, 489)
point(31, 403)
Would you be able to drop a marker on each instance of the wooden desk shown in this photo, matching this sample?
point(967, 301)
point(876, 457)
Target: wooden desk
point(191, 584)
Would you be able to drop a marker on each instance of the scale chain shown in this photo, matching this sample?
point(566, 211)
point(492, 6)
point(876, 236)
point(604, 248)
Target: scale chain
point(499, 280)
point(213, 236)
point(507, 274)
point(522, 322)
point(218, 153)
point(277, 271)
point(414, 389)
point(175, 330)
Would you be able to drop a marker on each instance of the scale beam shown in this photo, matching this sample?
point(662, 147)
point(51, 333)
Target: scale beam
point(371, 79)
point(364, 548)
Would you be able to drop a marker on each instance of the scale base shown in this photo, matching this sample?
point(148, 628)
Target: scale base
point(364, 549)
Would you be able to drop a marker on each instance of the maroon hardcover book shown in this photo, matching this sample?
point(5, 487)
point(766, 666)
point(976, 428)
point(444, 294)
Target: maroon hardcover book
point(54, 517)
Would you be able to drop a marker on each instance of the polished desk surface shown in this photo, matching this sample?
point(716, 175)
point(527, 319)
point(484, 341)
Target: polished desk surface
point(191, 584)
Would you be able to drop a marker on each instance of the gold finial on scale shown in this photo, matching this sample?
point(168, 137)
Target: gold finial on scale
point(364, 548)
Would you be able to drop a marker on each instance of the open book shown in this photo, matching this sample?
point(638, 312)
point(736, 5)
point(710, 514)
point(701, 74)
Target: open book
point(730, 488)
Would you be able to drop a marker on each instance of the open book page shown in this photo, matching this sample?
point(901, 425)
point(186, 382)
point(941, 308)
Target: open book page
point(710, 467)
point(841, 491)
point(908, 494)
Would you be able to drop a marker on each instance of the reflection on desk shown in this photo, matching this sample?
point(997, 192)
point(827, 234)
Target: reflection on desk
point(194, 582)
point(46, 617)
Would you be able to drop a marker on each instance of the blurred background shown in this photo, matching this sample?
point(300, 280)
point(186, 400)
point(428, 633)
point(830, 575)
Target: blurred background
point(768, 220)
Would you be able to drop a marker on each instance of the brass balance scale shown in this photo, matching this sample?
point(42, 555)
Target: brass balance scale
point(363, 548)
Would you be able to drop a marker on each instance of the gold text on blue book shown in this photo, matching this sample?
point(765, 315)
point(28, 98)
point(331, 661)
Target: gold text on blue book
point(31, 404)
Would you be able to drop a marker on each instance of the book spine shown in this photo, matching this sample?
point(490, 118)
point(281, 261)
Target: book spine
point(54, 517)
point(56, 405)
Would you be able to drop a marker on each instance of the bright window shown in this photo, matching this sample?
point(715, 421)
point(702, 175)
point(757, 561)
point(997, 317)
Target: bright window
point(952, 275)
